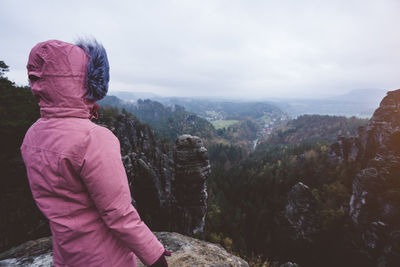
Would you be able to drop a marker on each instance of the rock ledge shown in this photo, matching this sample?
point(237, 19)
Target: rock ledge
point(186, 251)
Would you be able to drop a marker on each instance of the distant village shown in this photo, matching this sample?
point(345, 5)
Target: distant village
point(269, 126)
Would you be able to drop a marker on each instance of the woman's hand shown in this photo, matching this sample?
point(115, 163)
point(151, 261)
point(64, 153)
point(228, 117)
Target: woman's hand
point(162, 262)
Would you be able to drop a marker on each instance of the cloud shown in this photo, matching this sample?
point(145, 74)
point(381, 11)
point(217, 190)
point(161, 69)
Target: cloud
point(219, 48)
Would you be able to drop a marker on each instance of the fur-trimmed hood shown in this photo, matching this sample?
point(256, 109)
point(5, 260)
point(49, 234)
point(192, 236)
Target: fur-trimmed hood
point(67, 79)
point(97, 70)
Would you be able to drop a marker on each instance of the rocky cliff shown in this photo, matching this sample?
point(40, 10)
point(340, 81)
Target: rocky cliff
point(168, 183)
point(186, 251)
point(192, 167)
point(375, 200)
point(157, 172)
point(300, 211)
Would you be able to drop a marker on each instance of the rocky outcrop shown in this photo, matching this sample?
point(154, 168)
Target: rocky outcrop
point(149, 165)
point(192, 167)
point(345, 149)
point(375, 200)
point(300, 211)
point(157, 170)
point(32, 253)
point(168, 183)
point(186, 251)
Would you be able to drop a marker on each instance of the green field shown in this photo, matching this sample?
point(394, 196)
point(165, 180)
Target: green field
point(264, 119)
point(219, 124)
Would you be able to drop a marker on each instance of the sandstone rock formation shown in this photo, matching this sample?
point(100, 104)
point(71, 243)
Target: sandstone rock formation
point(192, 167)
point(300, 211)
point(157, 172)
point(186, 251)
point(375, 200)
point(149, 165)
point(168, 184)
point(345, 149)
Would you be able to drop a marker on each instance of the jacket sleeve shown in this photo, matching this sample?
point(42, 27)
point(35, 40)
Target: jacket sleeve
point(105, 178)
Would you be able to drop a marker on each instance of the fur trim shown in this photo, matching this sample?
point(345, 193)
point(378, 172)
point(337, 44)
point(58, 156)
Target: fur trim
point(97, 70)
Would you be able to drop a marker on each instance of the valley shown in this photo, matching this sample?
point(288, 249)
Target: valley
point(278, 188)
point(228, 122)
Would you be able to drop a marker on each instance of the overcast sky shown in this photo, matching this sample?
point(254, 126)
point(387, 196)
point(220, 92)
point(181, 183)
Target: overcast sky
point(220, 48)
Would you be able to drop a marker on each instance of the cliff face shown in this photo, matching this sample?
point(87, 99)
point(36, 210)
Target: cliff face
point(186, 251)
point(300, 211)
point(156, 171)
point(192, 167)
point(149, 165)
point(375, 200)
point(168, 183)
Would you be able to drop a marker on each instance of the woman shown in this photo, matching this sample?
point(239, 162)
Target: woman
point(74, 166)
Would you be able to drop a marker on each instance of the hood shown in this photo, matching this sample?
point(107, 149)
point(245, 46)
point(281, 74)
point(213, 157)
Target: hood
point(58, 78)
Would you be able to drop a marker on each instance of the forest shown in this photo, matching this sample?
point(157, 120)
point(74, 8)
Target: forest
point(168, 122)
point(248, 196)
point(248, 191)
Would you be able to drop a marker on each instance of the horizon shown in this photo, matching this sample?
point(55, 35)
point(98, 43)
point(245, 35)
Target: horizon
point(236, 98)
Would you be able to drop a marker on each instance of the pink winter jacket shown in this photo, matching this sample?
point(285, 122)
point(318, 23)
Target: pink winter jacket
point(75, 170)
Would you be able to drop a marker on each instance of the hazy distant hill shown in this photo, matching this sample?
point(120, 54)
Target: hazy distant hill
point(236, 122)
point(168, 122)
point(212, 109)
point(134, 96)
point(228, 110)
point(360, 103)
point(371, 96)
point(315, 128)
